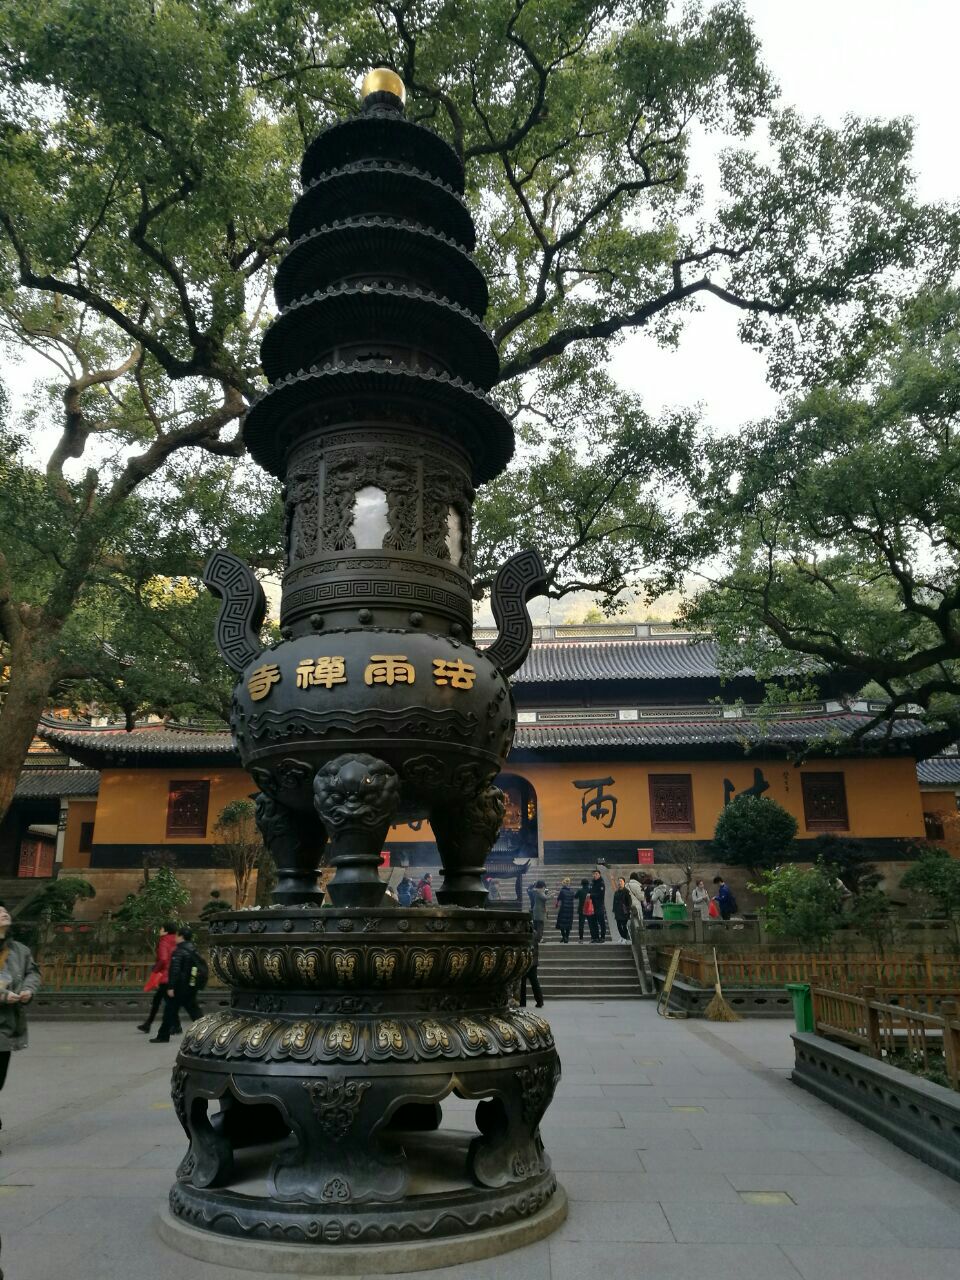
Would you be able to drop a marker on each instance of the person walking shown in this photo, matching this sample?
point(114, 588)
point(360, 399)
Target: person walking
point(424, 891)
point(157, 980)
point(187, 976)
point(564, 904)
point(19, 983)
point(538, 904)
point(598, 892)
point(726, 902)
point(405, 890)
point(532, 975)
point(621, 909)
point(700, 900)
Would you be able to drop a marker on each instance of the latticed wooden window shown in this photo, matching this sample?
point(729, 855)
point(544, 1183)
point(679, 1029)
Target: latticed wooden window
point(671, 802)
point(933, 825)
point(187, 804)
point(824, 802)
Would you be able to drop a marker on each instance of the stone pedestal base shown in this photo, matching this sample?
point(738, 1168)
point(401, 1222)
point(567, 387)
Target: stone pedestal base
point(393, 1258)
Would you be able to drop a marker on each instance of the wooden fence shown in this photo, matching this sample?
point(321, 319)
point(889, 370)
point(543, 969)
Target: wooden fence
point(98, 972)
point(840, 970)
point(881, 1029)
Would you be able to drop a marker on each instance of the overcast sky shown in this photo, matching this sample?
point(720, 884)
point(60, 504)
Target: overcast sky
point(831, 58)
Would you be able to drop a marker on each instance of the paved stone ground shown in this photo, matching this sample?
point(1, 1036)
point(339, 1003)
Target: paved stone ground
point(686, 1152)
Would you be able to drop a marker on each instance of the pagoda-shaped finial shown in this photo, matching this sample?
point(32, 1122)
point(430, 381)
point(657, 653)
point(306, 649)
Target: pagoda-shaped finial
point(382, 88)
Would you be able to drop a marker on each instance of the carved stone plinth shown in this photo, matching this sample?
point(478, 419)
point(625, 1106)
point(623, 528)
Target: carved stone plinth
point(314, 1105)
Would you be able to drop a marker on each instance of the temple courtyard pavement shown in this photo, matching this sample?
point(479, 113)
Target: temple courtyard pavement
point(686, 1152)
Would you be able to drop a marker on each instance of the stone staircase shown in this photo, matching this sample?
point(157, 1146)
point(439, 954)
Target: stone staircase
point(588, 971)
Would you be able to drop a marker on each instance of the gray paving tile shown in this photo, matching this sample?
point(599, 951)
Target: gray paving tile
point(838, 1262)
point(813, 1190)
point(571, 1261)
point(648, 1187)
point(531, 1263)
point(615, 1222)
point(726, 1161)
point(772, 1224)
point(927, 1226)
point(755, 1138)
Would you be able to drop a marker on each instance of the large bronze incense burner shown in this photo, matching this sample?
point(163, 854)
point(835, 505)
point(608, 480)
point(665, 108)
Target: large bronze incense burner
point(313, 1105)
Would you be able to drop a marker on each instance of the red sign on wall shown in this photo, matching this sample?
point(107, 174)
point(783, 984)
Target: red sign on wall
point(645, 856)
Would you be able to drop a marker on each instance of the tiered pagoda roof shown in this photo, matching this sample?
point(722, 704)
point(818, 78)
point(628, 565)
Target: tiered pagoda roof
point(355, 329)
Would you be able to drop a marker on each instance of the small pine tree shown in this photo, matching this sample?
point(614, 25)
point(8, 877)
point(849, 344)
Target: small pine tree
point(753, 832)
point(161, 897)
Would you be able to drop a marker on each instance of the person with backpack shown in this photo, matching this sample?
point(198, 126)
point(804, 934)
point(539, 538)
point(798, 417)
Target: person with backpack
point(159, 974)
point(186, 978)
point(424, 892)
point(725, 900)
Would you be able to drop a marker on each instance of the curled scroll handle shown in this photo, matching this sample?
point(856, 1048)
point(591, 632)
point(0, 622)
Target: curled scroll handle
point(243, 607)
point(522, 577)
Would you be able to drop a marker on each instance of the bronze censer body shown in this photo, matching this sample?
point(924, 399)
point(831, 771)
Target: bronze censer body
point(313, 1104)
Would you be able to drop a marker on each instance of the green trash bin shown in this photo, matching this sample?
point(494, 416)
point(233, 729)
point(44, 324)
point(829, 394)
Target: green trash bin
point(802, 1005)
point(674, 911)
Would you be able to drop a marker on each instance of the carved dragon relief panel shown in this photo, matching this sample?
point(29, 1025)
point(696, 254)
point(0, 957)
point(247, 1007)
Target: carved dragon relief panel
point(301, 504)
point(415, 522)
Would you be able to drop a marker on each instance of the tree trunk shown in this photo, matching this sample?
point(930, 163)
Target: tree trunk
point(28, 694)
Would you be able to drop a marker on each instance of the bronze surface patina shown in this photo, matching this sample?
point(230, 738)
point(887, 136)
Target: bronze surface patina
point(313, 1104)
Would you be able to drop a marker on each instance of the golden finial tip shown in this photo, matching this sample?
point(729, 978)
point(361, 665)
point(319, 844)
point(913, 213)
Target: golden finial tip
point(383, 80)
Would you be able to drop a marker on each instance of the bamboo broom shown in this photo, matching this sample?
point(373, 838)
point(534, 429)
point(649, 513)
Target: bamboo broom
point(718, 1010)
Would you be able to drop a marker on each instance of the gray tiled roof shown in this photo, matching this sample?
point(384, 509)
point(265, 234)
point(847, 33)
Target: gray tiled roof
point(695, 733)
point(640, 734)
point(144, 739)
point(575, 661)
point(940, 769)
point(49, 784)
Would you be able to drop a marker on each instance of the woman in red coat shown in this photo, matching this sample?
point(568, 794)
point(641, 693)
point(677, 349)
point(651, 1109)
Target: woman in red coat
point(157, 982)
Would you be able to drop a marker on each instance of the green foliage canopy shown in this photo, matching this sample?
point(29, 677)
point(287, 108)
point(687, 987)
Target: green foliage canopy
point(838, 524)
point(935, 876)
point(801, 904)
point(754, 832)
point(161, 897)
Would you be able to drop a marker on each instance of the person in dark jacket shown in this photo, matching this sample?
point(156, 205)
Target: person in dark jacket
point(726, 902)
point(181, 989)
point(157, 982)
point(621, 909)
point(19, 983)
point(405, 890)
point(564, 904)
point(538, 905)
point(598, 892)
point(531, 974)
